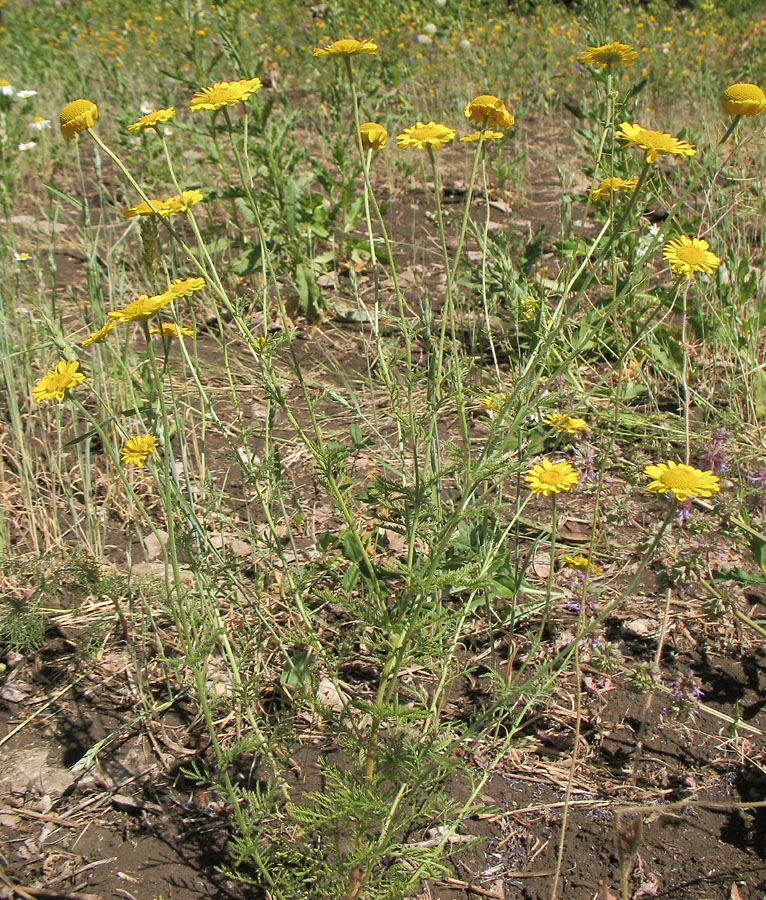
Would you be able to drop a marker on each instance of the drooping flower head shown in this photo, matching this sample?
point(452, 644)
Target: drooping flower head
point(142, 307)
point(373, 136)
point(550, 478)
point(488, 110)
point(164, 208)
point(171, 330)
point(151, 119)
point(421, 136)
point(608, 55)
point(475, 136)
point(95, 337)
point(681, 480)
point(743, 99)
point(347, 47)
point(224, 93)
point(57, 382)
point(689, 255)
point(136, 450)
point(77, 116)
point(654, 142)
point(607, 186)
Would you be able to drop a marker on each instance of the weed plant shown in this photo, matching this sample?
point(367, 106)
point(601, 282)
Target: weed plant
point(388, 516)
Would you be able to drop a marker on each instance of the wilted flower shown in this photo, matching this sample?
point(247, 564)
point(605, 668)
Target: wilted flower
point(488, 110)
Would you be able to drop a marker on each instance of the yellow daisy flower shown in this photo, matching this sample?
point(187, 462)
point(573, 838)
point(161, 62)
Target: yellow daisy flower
point(689, 255)
point(550, 478)
point(136, 450)
point(582, 563)
point(182, 202)
point(743, 99)
point(609, 185)
point(98, 336)
point(492, 402)
point(171, 330)
point(149, 120)
point(169, 207)
point(608, 55)
point(563, 422)
point(77, 116)
point(184, 287)
point(486, 109)
point(57, 381)
point(142, 307)
point(421, 136)
point(374, 136)
point(654, 142)
point(347, 47)
point(224, 93)
point(682, 480)
point(474, 136)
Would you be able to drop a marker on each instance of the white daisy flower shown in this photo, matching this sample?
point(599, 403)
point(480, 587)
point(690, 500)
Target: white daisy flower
point(146, 107)
point(25, 95)
point(167, 131)
point(134, 141)
point(21, 257)
point(39, 124)
point(27, 145)
point(6, 89)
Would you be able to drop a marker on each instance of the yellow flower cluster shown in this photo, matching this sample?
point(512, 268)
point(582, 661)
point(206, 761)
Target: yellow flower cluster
point(170, 207)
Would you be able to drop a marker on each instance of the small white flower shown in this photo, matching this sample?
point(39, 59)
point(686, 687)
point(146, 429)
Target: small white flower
point(440, 3)
point(134, 141)
point(7, 90)
point(28, 145)
point(422, 38)
point(39, 124)
point(167, 131)
point(430, 28)
point(25, 95)
point(646, 240)
point(146, 107)
point(21, 257)
point(465, 44)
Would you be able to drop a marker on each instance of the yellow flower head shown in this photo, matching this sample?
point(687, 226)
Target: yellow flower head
point(609, 185)
point(486, 109)
point(136, 450)
point(373, 136)
point(743, 99)
point(142, 307)
point(149, 120)
point(184, 287)
point(682, 480)
point(563, 423)
point(608, 55)
point(582, 563)
point(164, 208)
point(347, 47)
point(550, 478)
point(475, 136)
point(96, 337)
point(492, 402)
point(77, 116)
point(654, 142)
point(57, 381)
point(689, 255)
point(421, 136)
point(171, 330)
point(224, 93)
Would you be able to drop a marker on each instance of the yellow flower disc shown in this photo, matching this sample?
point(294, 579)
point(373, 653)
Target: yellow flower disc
point(743, 99)
point(57, 381)
point(608, 55)
point(550, 478)
point(77, 116)
point(374, 136)
point(682, 480)
point(689, 255)
point(654, 142)
point(486, 109)
point(421, 136)
point(347, 47)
